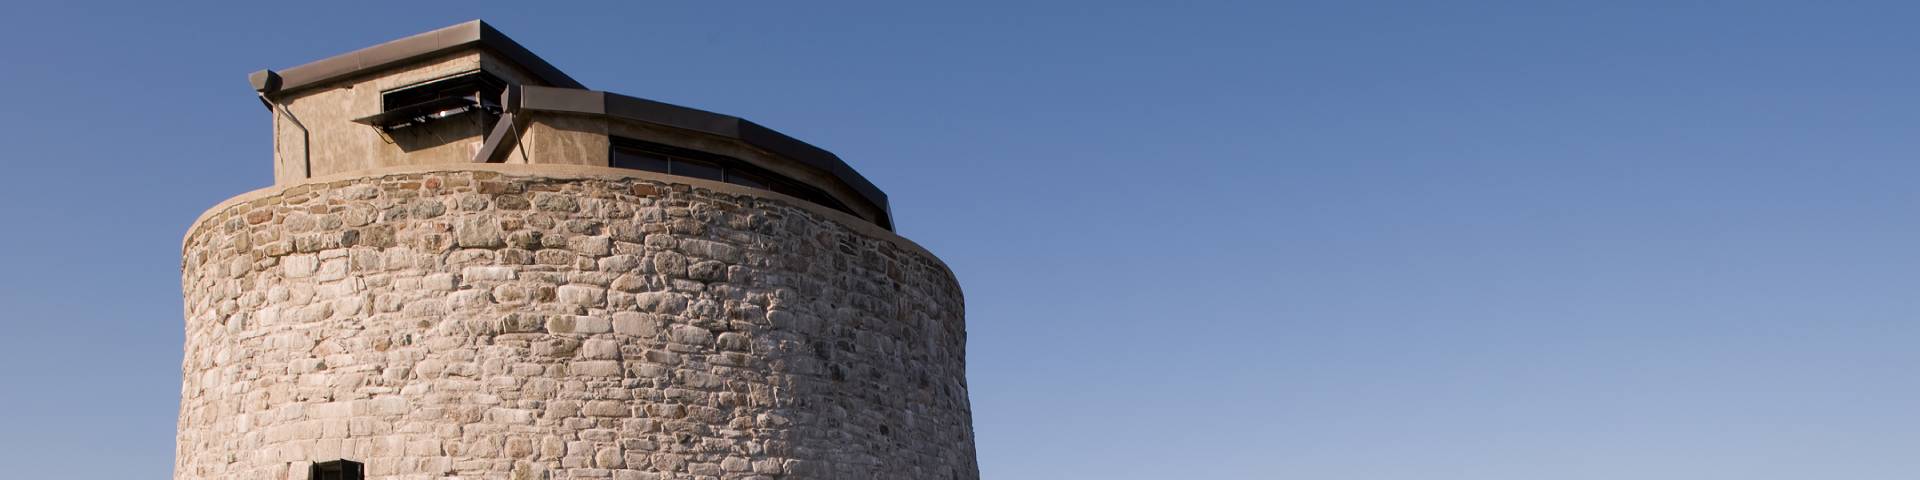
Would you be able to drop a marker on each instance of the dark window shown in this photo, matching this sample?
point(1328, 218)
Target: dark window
point(654, 157)
point(687, 167)
point(640, 160)
point(740, 176)
point(426, 102)
point(337, 470)
point(475, 87)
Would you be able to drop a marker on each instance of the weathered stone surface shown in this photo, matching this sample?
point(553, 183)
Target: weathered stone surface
point(555, 202)
point(710, 271)
point(636, 324)
point(582, 295)
point(479, 231)
point(664, 337)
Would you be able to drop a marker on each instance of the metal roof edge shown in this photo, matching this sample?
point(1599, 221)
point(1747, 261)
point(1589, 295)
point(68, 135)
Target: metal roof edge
point(474, 33)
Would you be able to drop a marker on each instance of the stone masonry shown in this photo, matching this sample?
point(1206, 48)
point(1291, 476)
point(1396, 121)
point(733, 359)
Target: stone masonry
point(547, 322)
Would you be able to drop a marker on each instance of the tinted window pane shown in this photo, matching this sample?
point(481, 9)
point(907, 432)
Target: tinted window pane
point(738, 176)
point(792, 189)
point(697, 169)
point(640, 155)
point(639, 160)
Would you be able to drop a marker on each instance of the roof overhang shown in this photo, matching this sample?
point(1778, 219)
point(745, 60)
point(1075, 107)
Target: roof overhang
point(622, 107)
point(472, 34)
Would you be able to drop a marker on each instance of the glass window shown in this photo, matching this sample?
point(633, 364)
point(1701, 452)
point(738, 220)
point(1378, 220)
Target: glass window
point(739, 176)
point(687, 167)
point(671, 160)
point(640, 160)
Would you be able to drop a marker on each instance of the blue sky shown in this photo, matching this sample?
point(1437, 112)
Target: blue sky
point(1357, 240)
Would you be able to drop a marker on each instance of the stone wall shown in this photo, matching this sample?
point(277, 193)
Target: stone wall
point(545, 322)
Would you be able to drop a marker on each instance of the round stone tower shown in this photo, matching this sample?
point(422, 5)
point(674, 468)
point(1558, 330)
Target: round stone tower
point(471, 266)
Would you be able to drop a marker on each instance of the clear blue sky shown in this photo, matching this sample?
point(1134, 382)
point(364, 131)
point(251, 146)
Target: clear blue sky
point(1344, 240)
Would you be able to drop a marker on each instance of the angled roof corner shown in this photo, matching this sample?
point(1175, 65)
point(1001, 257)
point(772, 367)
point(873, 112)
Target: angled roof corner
point(474, 33)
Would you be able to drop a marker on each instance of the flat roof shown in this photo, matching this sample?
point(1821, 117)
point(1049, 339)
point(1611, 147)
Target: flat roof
point(473, 33)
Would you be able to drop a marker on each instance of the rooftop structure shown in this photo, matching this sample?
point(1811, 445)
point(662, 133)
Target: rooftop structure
point(467, 93)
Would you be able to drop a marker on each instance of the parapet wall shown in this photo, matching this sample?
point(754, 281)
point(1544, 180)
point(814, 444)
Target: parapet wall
point(557, 322)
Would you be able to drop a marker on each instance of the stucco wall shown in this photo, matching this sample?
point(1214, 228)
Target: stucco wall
point(527, 322)
point(338, 145)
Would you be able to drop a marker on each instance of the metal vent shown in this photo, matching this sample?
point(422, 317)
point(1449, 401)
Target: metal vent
point(427, 102)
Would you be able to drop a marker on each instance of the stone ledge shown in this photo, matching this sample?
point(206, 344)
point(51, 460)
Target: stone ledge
point(565, 172)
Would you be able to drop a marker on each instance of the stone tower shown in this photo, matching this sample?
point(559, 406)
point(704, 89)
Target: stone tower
point(471, 266)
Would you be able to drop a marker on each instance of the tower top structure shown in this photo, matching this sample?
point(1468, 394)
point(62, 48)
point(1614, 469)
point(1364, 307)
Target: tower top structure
point(467, 93)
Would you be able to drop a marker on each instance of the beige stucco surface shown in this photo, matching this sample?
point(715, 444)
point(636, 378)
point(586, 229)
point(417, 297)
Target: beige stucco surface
point(335, 144)
point(566, 139)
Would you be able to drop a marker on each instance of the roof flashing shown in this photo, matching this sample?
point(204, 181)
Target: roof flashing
point(473, 34)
